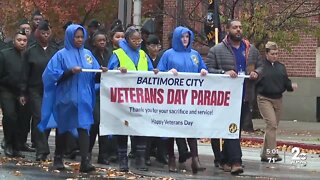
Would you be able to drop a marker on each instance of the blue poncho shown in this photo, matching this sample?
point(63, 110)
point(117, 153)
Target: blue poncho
point(69, 105)
point(183, 59)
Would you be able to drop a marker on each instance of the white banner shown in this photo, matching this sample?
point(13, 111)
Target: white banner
point(164, 105)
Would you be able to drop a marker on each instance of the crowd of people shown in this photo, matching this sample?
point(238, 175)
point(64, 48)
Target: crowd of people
point(42, 87)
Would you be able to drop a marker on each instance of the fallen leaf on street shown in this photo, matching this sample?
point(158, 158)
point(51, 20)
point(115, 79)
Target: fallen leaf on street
point(17, 173)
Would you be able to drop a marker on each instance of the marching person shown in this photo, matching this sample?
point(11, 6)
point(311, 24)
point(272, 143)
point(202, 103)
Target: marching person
point(69, 95)
point(155, 145)
point(130, 57)
point(272, 83)
point(233, 56)
point(102, 54)
point(35, 61)
point(13, 118)
point(182, 58)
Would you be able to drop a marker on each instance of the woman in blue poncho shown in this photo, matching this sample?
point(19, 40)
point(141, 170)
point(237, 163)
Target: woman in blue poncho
point(69, 95)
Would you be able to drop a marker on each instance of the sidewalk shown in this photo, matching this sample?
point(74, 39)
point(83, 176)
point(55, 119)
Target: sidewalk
point(305, 135)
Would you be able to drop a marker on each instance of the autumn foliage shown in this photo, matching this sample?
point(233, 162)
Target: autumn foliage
point(58, 12)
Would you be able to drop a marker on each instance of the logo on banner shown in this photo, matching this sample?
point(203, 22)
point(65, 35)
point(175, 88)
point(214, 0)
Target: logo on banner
point(233, 128)
point(89, 59)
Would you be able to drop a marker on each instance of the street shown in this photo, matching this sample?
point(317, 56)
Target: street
point(28, 169)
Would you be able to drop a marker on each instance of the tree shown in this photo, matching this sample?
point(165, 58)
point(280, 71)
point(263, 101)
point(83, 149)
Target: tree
point(282, 21)
point(58, 12)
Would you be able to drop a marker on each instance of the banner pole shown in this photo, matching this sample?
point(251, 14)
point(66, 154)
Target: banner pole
point(216, 34)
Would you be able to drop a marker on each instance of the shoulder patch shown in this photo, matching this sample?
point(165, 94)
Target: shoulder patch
point(89, 59)
point(195, 59)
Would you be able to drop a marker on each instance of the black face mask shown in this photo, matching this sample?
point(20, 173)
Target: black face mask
point(235, 38)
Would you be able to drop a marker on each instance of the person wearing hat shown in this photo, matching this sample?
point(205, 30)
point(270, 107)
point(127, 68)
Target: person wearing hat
point(10, 70)
point(93, 27)
point(272, 83)
point(35, 60)
point(130, 57)
point(116, 34)
point(25, 24)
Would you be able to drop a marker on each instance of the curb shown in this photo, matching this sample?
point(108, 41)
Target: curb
point(281, 143)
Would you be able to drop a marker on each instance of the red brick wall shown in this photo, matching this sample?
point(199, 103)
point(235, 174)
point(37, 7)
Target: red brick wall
point(169, 23)
point(301, 61)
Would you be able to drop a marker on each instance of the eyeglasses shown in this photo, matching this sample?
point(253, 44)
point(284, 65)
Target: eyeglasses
point(154, 46)
point(138, 41)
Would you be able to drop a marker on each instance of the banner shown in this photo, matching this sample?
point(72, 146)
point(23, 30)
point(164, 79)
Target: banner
point(164, 105)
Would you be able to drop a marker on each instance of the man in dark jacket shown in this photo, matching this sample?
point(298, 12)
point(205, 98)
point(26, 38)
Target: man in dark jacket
point(10, 69)
point(235, 56)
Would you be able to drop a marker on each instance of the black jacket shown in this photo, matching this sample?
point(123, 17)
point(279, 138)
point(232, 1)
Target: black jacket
point(35, 60)
point(274, 80)
point(10, 69)
point(103, 60)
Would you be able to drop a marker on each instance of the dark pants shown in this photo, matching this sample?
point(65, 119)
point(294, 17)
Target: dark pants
point(246, 117)
point(231, 150)
point(25, 126)
point(156, 143)
point(183, 148)
point(14, 120)
point(83, 143)
point(215, 145)
point(107, 146)
point(72, 143)
point(40, 138)
point(140, 144)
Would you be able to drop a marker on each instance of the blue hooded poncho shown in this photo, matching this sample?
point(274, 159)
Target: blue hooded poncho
point(69, 105)
point(183, 59)
point(133, 54)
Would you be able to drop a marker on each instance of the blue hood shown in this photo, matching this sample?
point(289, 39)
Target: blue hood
point(69, 36)
point(176, 39)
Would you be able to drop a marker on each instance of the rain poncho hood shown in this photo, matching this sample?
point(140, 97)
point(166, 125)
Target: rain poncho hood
point(183, 59)
point(69, 104)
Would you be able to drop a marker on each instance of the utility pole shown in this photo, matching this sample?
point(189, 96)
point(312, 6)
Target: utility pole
point(137, 13)
point(124, 11)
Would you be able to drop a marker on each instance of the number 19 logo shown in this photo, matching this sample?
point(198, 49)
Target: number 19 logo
point(298, 157)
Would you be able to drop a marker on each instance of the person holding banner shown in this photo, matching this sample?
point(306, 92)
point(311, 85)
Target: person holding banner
point(182, 58)
point(130, 57)
point(69, 95)
point(235, 56)
point(272, 83)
